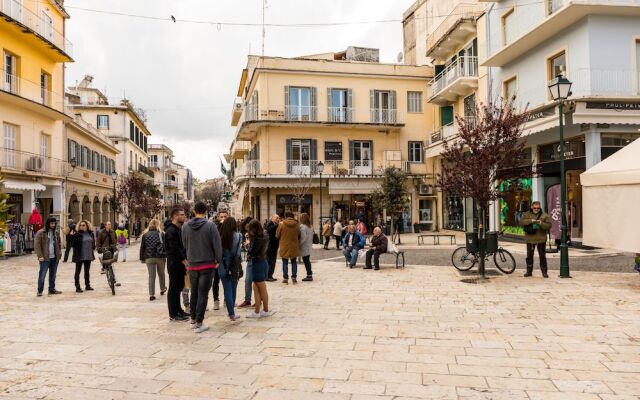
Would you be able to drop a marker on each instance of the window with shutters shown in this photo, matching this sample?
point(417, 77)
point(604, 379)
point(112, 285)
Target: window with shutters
point(340, 105)
point(414, 102)
point(510, 88)
point(301, 156)
point(361, 157)
point(415, 152)
point(132, 131)
point(383, 106)
point(10, 144)
point(103, 122)
point(300, 103)
point(45, 88)
point(10, 73)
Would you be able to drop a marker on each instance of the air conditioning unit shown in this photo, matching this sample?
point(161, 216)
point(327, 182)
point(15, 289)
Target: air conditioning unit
point(34, 164)
point(425, 189)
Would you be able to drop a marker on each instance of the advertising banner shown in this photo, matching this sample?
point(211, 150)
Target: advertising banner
point(554, 207)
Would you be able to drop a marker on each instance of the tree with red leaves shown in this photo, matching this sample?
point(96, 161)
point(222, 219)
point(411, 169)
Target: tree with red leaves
point(136, 196)
point(486, 151)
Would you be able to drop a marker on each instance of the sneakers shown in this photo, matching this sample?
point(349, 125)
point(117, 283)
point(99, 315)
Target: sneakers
point(192, 323)
point(152, 298)
point(88, 288)
point(39, 294)
point(52, 292)
point(118, 284)
point(179, 318)
point(234, 318)
point(216, 304)
point(307, 279)
point(272, 279)
point(285, 281)
point(376, 269)
point(200, 328)
point(78, 290)
point(367, 268)
point(294, 280)
point(266, 313)
point(245, 304)
point(545, 275)
point(163, 291)
point(254, 315)
point(103, 271)
point(527, 274)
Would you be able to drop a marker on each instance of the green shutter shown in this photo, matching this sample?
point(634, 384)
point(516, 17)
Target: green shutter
point(289, 155)
point(446, 115)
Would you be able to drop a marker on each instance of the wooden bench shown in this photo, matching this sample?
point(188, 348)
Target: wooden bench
point(436, 238)
point(399, 255)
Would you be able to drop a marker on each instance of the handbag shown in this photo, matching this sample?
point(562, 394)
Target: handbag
point(235, 270)
point(316, 238)
point(160, 249)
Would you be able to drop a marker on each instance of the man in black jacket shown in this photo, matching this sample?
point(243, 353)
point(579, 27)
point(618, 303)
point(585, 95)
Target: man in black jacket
point(176, 263)
point(272, 251)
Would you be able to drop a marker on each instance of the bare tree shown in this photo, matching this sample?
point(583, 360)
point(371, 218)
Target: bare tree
point(485, 152)
point(300, 187)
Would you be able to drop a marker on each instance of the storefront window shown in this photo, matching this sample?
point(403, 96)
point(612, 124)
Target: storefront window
point(289, 203)
point(454, 213)
point(516, 200)
point(612, 142)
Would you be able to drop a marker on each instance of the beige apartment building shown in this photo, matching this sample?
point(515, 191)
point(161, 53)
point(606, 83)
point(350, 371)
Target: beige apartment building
point(185, 188)
point(34, 49)
point(121, 122)
point(89, 184)
point(166, 174)
point(343, 114)
point(448, 35)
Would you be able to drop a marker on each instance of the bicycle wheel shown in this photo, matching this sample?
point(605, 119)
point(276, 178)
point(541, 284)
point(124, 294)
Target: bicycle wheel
point(504, 261)
point(462, 259)
point(111, 279)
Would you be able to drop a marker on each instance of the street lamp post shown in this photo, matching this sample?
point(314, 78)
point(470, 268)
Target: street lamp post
point(560, 88)
point(320, 170)
point(114, 177)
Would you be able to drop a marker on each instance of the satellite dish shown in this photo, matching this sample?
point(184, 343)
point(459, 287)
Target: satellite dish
point(400, 57)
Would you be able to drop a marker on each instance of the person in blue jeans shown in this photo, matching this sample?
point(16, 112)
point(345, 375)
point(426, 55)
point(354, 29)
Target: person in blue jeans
point(48, 251)
point(352, 243)
point(288, 233)
point(231, 248)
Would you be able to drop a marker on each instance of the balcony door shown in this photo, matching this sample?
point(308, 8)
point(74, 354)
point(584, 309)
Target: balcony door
point(383, 106)
point(10, 145)
point(340, 105)
point(301, 156)
point(48, 26)
point(13, 8)
point(10, 81)
point(300, 103)
point(361, 157)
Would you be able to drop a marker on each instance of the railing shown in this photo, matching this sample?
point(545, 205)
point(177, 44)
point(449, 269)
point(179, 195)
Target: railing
point(154, 164)
point(253, 113)
point(450, 130)
point(460, 12)
point(16, 11)
point(31, 90)
point(302, 167)
point(340, 114)
point(240, 145)
point(301, 113)
point(91, 129)
point(384, 116)
point(249, 168)
point(171, 184)
point(145, 170)
point(555, 5)
point(463, 67)
point(22, 161)
point(361, 167)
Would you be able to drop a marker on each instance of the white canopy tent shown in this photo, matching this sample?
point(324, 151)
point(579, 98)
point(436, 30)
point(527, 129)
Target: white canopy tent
point(611, 200)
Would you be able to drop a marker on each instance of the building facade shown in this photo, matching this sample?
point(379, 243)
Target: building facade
point(346, 110)
point(34, 49)
point(185, 188)
point(166, 174)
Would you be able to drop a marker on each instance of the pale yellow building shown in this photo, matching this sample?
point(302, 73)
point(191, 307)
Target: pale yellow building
point(166, 174)
point(89, 185)
point(34, 49)
point(355, 115)
point(449, 36)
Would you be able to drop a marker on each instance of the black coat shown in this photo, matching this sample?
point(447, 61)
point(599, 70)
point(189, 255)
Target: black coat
point(152, 245)
point(271, 228)
point(76, 244)
point(173, 246)
point(257, 251)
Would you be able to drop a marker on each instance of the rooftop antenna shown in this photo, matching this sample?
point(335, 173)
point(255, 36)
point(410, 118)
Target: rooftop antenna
point(264, 32)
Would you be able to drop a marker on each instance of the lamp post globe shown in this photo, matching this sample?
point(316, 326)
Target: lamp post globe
point(560, 89)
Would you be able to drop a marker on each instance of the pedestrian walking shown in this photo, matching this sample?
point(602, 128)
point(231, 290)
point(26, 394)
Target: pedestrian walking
point(84, 245)
point(218, 220)
point(248, 277)
point(536, 224)
point(231, 241)
point(337, 233)
point(201, 241)
point(326, 233)
point(106, 239)
point(352, 243)
point(379, 243)
point(48, 251)
point(152, 253)
point(306, 244)
point(137, 229)
point(69, 230)
point(122, 234)
point(272, 251)
point(176, 263)
point(289, 234)
point(257, 261)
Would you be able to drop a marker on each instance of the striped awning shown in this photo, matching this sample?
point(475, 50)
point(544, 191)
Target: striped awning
point(23, 185)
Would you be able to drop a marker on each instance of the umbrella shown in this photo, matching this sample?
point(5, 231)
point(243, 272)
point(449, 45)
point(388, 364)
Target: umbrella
point(35, 218)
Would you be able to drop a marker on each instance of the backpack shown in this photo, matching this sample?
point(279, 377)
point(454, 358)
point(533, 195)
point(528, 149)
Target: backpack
point(235, 269)
point(122, 239)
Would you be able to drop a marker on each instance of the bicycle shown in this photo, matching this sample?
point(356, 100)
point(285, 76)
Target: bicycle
point(463, 259)
point(107, 257)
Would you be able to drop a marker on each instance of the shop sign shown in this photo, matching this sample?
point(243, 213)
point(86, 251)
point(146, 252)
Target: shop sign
point(333, 151)
point(290, 199)
point(613, 105)
point(546, 112)
point(555, 210)
point(551, 152)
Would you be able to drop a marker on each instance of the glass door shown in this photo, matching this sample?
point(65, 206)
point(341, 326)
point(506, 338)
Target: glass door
point(338, 109)
point(299, 104)
point(381, 107)
point(300, 157)
point(361, 160)
point(10, 80)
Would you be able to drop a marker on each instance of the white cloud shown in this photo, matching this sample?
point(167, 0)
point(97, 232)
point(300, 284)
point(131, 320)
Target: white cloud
point(186, 75)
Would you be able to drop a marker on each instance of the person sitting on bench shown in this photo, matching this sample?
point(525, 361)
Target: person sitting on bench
point(352, 243)
point(378, 246)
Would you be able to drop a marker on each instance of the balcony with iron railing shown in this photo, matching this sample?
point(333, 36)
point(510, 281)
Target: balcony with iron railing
point(239, 148)
point(532, 23)
point(31, 23)
point(453, 31)
point(363, 117)
point(145, 170)
point(31, 91)
point(171, 184)
point(91, 129)
point(154, 165)
point(24, 162)
point(458, 79)
point(449, 131)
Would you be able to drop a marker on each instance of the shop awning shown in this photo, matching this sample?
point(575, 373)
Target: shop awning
point(23, 185)
point(353, 186)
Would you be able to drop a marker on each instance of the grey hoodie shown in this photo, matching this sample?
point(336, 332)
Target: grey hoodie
point(202, 242)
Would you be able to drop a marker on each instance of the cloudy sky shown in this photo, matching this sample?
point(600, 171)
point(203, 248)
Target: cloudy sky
point(186, 74)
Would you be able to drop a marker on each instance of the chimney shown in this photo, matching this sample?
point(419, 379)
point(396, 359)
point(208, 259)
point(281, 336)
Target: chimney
point(86, 82)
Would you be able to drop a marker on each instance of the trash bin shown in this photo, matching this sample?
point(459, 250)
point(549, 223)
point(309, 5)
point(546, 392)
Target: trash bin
point(416, 228)
point(472, 242)
point(491, 239)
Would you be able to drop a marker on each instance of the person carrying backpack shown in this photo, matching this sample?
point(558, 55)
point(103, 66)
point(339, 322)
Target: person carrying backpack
point(152, 253)
point(122, 234)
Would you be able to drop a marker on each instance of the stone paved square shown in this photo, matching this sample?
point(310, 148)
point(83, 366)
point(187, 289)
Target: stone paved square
point(417, 333)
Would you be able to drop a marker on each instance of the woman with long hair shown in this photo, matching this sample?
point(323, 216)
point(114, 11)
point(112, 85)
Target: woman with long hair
point(231, 248)
point(248, 277)
point(306, 244)
point(83, 244)
point(152, 253)
point(257, 261)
